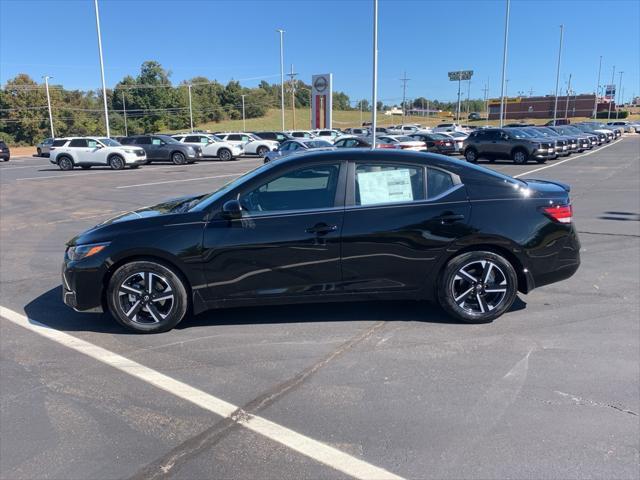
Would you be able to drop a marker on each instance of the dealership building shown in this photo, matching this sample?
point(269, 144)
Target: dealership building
point(517, 108)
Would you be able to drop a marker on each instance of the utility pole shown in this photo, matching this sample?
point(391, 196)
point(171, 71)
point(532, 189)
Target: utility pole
point(360, 112)
point(124, 108)
point(504, 63)
point(404, 80)
point(468, 94)
point(458, 108)
point(613, 75)
point(555, 106)
point(595, 103)
point(190, 109)
point(104, 87)
point(620, 93)
point(281, 74)
point(293, 94)
point(486, 98)
point(506, 87)
point(427, 108)
point(244, 120)
point(46, 85)
point(531, 92)
point(374, 93)
point(566, 108)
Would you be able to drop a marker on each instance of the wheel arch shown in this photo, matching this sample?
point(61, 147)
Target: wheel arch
point(519, 148)
point(525, 282)
point(196, 304)
point(62, 155)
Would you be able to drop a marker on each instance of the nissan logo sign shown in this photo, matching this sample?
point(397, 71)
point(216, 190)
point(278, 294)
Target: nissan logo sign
point(320, 84)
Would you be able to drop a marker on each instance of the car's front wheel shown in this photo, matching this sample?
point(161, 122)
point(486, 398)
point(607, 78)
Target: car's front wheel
point(471, 155)
point(262, 151)
point(178, 158)
point(147, 297)
point(477, 287)
point(116, 162)
point(224, 155)
point(520, 156)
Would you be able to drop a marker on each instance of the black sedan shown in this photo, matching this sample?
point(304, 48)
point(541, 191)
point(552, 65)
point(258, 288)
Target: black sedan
point(436, 142)
point(330, 226)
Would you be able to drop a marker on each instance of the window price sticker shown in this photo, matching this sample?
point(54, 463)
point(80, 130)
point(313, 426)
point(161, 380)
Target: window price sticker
point(385, 186)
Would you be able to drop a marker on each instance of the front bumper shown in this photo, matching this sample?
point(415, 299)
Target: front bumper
point(82, 285)
point(5, 155)
point(545, 154)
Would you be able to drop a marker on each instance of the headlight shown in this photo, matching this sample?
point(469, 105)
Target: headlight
point(130, 150)
point(78, 252)
point(191, 150)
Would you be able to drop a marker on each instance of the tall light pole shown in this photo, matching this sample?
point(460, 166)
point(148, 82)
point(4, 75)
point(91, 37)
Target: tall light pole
point(468, 95)
point(504, 62)
point(619, 92)
point(104, 87)
point(46, 85)
point(374, 93)
point(555, 105)
point(244, 121)
point(124, 108)
point(486, 99)
point(281, 31)
point(595, 103)
point(458, 108)
point(360, 112)
point(190, 109)
point(613, 96)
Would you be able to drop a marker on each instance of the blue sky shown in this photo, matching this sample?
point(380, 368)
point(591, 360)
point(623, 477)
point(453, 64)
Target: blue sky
point(237, 39)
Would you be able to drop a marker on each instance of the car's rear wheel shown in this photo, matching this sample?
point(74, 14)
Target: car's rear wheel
point(262, 151)
point(39, 152)
point(224, 154)
point(85, 167)
point(65, 163)
point(519, 156)
point(471, 155)
point(116, 162)
point(178, 158)
point(147, 297)
point(477, 287)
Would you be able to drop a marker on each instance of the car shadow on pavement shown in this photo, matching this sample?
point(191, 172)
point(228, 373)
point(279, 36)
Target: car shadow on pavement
point(48, 309)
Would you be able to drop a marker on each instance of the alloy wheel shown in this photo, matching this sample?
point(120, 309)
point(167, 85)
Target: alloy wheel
point(479, 287)
point(146, 297)
point(225, 155)
point(178, 158)
point(519, 157)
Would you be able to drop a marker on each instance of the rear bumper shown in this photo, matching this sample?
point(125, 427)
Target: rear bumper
point(563, 266)
point(5, 155)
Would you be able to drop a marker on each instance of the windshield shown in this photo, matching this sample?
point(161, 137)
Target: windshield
point(405, 139)
point(457, 134)
point(548, 132)
point(109, 142)
point(202, 203)
point(519, 133)
point(254, 137)
point(167, 139)
point(317, 144)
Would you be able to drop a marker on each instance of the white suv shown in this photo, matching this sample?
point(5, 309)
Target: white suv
point(211, 145)
point(327, 134)
point(252, 144)
point(87, 152)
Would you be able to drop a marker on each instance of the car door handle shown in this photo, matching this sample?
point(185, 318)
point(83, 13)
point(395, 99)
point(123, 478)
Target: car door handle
point(321, 229)
point(451, 218)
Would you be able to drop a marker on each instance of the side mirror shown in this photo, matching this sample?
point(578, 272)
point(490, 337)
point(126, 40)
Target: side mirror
point(232, 210)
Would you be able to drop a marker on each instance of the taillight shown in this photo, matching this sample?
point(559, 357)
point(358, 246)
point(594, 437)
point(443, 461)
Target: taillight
point(559, 213)
point(385, 145)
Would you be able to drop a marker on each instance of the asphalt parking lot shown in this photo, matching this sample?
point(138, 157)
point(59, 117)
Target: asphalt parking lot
point(549, 390)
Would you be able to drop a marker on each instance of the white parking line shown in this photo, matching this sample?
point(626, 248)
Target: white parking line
point(15, 168)
point(566, 160)
point(314, 449)
point(178, 181)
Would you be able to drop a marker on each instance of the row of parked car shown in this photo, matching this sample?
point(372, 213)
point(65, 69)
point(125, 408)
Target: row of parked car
point(519, 142)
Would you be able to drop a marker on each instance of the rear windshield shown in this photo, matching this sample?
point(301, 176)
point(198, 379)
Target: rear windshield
point(317, 144)
point(58, 143)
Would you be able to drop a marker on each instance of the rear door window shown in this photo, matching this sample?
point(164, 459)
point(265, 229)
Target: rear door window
point(191, 139)
point(58, 143)
point(438, 182)
point(380, 184)
point(78, 143)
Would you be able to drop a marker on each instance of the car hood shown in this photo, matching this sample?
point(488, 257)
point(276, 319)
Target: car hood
point(144, 216)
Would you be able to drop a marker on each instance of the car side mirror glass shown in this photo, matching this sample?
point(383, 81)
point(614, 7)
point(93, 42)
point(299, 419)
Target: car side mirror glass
point(231, 210)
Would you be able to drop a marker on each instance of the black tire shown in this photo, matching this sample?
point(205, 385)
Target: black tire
point(65, 163)
point(39, 152)
point(116, 162)
point(147, 315)
point(471, 155)
point(147, 162)
point(133, 167)
point(85, 167)
point(542, 160)
point(178, 158)
point(225, 155)
point(262, 151)
point(453, 284)
point(520, 156)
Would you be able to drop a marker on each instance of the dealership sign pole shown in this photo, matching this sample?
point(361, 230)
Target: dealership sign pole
point(104, 87)
point(504, 62)
point(459, 76)
point(612, 91)
point(46, 85)
point(374, 93)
